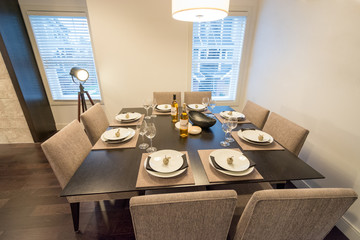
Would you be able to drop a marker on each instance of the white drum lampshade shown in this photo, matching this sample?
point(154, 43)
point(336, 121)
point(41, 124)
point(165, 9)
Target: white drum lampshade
point(200, 10)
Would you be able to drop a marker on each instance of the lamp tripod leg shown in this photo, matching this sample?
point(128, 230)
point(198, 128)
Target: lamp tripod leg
point(79, 106)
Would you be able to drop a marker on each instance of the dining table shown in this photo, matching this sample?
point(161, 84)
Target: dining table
point(116, 170)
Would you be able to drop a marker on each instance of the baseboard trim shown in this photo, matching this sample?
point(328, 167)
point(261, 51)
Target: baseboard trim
point(343, 224)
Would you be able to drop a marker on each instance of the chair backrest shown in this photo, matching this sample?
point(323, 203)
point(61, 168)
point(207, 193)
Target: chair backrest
point(195, 97)
point(293, 214)
point(95, 122)
point(191, 215)
point(285, 132)
point(256, 114)
point(66, 150)
point(166, 97)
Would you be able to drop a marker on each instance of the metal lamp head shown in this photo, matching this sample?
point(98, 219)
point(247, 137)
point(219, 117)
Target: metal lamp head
point(80, 74)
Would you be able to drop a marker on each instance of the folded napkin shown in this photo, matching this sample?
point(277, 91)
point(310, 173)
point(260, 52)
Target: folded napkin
point(185, 164)
point(243, 129)
point(217, 166)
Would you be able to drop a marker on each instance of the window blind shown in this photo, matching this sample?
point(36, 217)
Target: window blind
point(216, 55)
point(64, 42)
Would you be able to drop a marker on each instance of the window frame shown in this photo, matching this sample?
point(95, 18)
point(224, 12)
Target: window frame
point(55, 11)
point(250, 14)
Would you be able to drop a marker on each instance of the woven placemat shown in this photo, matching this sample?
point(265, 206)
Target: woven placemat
point(221, 119)
point(101, 145)
point(144, 179)
point(116, 123)
point(252, 147)
point(215, 176)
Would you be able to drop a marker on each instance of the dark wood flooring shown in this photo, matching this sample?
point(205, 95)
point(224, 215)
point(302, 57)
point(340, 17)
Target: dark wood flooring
point(30, 206)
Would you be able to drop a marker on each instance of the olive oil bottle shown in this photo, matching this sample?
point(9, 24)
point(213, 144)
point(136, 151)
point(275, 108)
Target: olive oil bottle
point(174, 110)
point(184, 122)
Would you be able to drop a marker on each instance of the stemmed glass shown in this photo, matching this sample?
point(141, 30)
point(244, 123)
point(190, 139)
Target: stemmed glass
point(212, 105)
point(150, 134)
point(232, 122)
point(205, 101)
point(142, 130)
point(153, 105)
point(226, 128)
point(147, 104)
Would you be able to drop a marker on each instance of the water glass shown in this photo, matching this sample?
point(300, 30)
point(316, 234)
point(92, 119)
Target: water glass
point(150, 134)
point(153, 105)
point(226, 128)
point(212, 106)
point(232, 122)
point(146, 104)
point(142, 130)
point(205, 101)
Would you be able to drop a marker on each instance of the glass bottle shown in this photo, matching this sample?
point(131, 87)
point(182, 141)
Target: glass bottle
point(174, 110)
point(184, 122)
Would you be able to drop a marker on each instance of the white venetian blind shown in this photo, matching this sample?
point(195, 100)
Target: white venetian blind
point(64, 42)
point(216, 55)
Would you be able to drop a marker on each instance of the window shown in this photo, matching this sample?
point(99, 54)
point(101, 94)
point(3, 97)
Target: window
point(63, 42)
point(216, 55)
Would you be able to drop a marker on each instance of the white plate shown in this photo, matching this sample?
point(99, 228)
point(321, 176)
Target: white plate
point(177, 125)
point(164, 175)
point(253, 135)
point(110, 134)
point(131, 135)
point(226, 114)
point(164, 107)
point(240, 162)
point(132, 117)
point(235, 174)
point(197, 107)
point(240, 134)
point(175, 162)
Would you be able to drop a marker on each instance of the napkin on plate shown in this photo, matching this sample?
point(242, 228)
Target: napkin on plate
point(252, 163)
point(185, 164)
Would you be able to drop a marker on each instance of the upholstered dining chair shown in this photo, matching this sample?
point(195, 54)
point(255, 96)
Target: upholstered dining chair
point(195, 97)
point(292, 214)
point(285, 132)
point(190, 215)
point(95, 122)
point(65, 151)
point(255, 113)
point(166, 97)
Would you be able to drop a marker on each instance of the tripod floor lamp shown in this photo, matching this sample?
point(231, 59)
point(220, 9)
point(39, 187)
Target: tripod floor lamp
point(81, 76)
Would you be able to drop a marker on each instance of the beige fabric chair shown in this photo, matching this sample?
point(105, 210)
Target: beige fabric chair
point(95, 122)
point(166, 97)
point(193, 215)
point(287, 133)
point(65, 151)
point(256, 114)
point(195, 97)
point(293, 214)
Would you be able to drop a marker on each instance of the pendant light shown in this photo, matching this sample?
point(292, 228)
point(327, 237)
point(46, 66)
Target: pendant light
point(200, 10)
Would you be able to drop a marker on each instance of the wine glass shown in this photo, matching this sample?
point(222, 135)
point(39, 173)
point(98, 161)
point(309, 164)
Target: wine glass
point(147, 104)
point(153, 105)
point(205, 101)
point(142, 130)
point(150, 134)
point(226, 129)
point(232, 122)
point(212, 106)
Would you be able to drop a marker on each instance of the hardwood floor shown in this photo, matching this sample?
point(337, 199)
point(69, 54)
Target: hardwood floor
point(30, 206)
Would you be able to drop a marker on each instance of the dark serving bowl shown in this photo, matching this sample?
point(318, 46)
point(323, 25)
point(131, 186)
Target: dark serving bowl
point(201, 120)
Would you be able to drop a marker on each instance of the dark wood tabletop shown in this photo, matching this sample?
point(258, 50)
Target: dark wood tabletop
point(116, 170)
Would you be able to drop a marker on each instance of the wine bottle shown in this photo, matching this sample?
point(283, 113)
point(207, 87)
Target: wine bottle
point(184, 122)
point(174, 110)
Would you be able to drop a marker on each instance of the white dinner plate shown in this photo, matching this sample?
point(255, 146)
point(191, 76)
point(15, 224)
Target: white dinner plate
point(197, 107)
point(240, 162)
point(240, 134)
point(164, 107)
point(253, 135)
point(164, 175)
point(228, 114)
point(131, 135)
point(130, 118)
point(175, 162)
point(235, 174)
point(111, 134)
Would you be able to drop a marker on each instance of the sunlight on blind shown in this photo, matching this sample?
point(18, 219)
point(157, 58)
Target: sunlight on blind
point(216, 55)
point(64, 42)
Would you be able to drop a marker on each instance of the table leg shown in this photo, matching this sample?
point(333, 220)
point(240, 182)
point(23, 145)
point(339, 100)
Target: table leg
point(75, 212)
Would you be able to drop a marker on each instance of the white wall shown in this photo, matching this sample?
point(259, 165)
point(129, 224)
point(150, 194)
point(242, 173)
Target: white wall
point(306, 67)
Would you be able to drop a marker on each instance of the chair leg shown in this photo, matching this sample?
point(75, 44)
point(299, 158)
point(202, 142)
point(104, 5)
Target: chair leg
point(75, 212)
